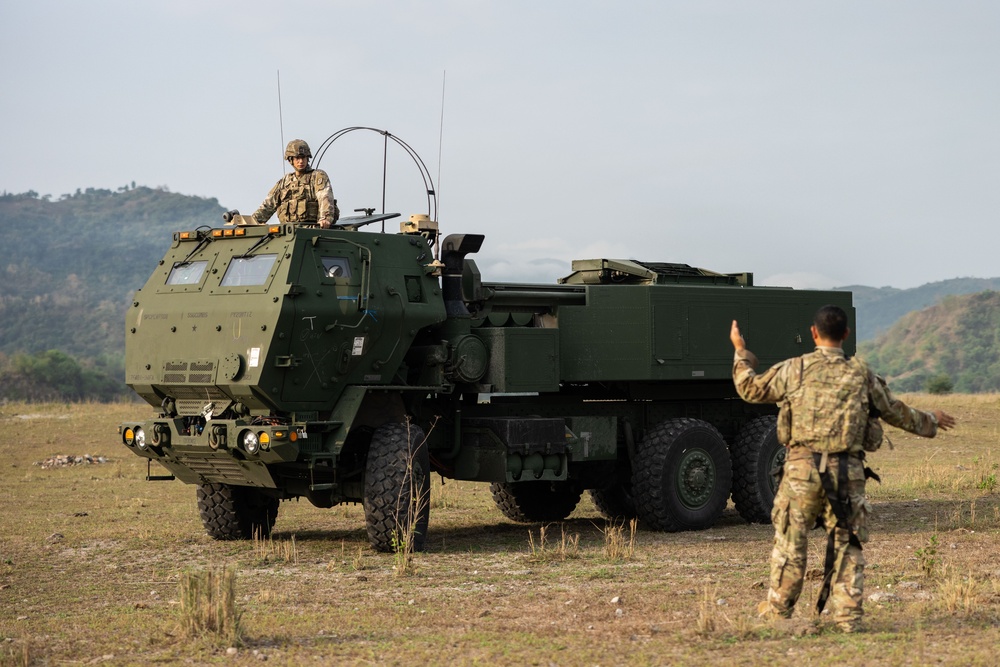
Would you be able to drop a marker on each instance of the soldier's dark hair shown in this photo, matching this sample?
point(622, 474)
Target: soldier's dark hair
point(831, 322)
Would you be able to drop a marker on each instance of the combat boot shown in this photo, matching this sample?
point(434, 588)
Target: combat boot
point(848, 627)
point(769, 612)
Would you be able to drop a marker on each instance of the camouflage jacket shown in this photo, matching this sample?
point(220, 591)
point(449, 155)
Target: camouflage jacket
point(777, 384)
point(300, 199)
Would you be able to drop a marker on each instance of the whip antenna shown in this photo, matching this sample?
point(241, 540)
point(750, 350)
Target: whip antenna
point(444, 76)
point(437, 249)
point(281, 122)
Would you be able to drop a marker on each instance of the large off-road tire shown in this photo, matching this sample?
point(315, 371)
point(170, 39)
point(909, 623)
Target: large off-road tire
point(681, 476)
point(236, 512)
point(535, 502)
point(757, 458)
point(397, 487)
point(615, 501)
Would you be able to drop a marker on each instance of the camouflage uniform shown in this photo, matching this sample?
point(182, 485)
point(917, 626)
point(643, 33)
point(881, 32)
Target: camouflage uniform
point(300, 199)
point(801, 497)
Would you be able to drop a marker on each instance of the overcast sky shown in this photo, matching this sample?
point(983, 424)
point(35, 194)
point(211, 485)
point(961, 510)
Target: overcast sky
point(815, 144)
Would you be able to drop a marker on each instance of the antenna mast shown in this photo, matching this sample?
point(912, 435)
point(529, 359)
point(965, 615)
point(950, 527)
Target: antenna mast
point(444, 76)
point(437, 240)
point(281, 122)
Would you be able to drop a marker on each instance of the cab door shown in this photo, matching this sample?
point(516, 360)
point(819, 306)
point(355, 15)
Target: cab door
point(332, 324)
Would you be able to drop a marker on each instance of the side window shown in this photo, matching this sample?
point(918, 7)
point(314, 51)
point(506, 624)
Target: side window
point(336, 267)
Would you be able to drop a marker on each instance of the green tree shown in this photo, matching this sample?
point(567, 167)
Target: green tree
point(939, 384)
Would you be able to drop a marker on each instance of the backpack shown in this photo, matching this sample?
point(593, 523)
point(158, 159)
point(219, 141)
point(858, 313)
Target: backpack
point(828, 410)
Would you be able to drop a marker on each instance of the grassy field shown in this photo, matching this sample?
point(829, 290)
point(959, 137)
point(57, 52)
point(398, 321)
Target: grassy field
point(92, 558)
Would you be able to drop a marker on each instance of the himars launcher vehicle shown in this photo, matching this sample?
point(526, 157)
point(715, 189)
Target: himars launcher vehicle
point(344, 365)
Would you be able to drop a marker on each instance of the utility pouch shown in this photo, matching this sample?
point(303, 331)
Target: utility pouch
point(873, 434)
point(784, 432)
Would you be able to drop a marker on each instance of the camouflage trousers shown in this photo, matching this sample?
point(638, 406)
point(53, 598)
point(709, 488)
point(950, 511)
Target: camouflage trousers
point(800, 500)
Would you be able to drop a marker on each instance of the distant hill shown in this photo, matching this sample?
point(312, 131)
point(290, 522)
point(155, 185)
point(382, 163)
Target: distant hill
point(957, 339)
point(878, 308)
point(67, 276)
point(70, 267)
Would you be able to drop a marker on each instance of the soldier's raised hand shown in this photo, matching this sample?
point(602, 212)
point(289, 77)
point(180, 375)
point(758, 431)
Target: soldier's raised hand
point(736, 337)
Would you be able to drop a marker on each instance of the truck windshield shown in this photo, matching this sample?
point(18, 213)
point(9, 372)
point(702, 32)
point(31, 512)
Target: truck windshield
point(186, 274)
point(248, 270)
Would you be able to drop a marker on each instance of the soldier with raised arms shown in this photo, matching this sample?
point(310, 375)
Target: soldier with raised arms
point(303, 196)
point(830, 407)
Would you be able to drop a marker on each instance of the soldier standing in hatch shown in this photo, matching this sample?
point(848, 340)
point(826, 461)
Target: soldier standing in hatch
point(302, 197)
point(829, 417)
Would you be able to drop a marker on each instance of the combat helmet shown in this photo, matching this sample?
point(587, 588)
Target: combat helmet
point(297, 148)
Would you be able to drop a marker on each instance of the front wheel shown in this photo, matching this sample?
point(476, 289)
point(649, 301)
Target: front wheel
point(682, 475)
point(397, 488)
point(236, 512)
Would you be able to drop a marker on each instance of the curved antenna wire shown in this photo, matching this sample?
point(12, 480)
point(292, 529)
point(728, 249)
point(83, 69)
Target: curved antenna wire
point(425, 174)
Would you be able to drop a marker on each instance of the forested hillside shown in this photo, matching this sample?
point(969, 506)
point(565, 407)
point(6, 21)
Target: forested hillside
point(70, 268)
point(953, 345)
point(878, 308)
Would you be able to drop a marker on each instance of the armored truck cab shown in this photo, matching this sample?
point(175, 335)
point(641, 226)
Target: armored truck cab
point(343, 365)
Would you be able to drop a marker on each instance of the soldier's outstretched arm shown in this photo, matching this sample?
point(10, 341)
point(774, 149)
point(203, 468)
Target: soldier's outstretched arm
point(945, 421)
point(899, 414)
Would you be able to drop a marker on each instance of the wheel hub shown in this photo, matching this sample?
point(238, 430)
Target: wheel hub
point(695, 478)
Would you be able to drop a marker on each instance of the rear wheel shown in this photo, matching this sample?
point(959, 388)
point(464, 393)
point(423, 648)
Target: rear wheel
point(757, 459)
point(615, 501)
point(682, 475)
point(397, 487)
point(530, 502)
point(236, 512)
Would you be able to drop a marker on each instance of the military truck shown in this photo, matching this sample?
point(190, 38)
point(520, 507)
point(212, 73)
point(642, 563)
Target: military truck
point(344, 365)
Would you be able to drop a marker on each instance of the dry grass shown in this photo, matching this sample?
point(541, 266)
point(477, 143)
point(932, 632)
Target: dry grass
point(405, 536)
point(268, 550)
point(618, 546)
point(208, 605)
point(541, 550)
point(91, 560)
point(959, 593)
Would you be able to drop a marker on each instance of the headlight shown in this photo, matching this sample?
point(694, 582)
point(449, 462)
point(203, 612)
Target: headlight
point(140, 438)
point(128, 436)
point(251, 443)
point(265, 440)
